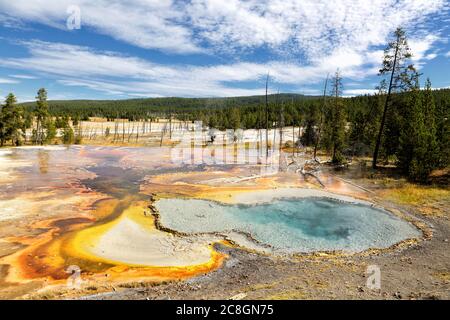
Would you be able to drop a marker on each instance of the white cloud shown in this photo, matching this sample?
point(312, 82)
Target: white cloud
point(161, 89)
point(307, 40)
point(23, 76)
point(447, 54)
point(421, 47)
point(313, 28)
point(147, 24)
point(11, 22)
point(119, 74)
point(430, 56)
point(8, 81)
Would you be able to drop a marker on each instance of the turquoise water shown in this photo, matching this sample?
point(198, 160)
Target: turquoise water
point(291, 225)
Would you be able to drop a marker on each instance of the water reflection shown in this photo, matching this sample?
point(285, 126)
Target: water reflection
point(43, 161)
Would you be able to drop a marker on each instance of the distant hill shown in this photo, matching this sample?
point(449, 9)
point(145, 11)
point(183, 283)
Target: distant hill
point(154, 107)
point(164, 104)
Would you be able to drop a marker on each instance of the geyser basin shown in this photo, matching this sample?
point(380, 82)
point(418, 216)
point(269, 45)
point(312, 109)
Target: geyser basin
point(290, 225)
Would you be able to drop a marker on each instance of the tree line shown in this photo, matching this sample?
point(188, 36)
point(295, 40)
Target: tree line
point(15, 120)
point(402, 123)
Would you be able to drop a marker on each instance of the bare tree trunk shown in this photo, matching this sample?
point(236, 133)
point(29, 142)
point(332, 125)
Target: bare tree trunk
point(281, 125)
point(293, 137)
point(137, 131)
point(316, 145)
point(38, 130)
point(116, 131)
point(383, 119)
point(123, 130)
point(267, 118)
point(162, 135)
point(170, 124)
point(132, 131)
point(274, 138)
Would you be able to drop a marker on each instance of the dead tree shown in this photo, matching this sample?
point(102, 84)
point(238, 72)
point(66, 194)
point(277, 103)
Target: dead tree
point(267, 117)
point(281, 124)
point(123, 130)
point(116, 131)
point(322, 111)
point(162, 134)
point(130, 134)
point(293, 127)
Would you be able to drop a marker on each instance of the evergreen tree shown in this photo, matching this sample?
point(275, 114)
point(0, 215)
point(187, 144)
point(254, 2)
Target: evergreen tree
point(68, 135)
point(28, 118)
point(75, 120)
point(418, 148)
point(396, 60)
point(51, 131)
point(412, 128)
point(42, 115)
point(310, 135)
point(59, 122)
point(432, 156)
point(363, 116)
point(443, 127)
point(12, 125)
point(335, 121)
point(235, 118)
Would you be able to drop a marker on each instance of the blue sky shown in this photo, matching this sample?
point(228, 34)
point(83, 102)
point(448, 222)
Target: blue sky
point(206, 48)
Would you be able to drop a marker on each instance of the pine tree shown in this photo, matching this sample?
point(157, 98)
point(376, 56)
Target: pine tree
point(443, 130)
point(59, 123)
point(395, 64)
point(12, 122)
point(418, 148)
point(76, 120)
point(432, 156)
point(235, 118)
point(335, 121)
point(51, 130)
point(42, 115)
point(412, 128)
point(68, 135)
point(309, 137)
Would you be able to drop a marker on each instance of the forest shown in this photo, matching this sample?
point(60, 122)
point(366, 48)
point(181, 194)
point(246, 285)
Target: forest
point(404, 123)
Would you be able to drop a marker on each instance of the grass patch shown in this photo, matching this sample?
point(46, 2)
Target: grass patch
point(443, 276)
point(289, 295)
point(143, 284)
point(429, 200)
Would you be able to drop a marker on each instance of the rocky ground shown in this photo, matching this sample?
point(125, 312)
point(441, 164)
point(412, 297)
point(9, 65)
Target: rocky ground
point(421, 271)
point(415, 271)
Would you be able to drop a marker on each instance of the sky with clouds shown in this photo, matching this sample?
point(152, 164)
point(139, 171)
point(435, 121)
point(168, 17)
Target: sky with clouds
point(207, 48)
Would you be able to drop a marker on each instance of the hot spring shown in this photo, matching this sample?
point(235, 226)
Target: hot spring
point(292, 225)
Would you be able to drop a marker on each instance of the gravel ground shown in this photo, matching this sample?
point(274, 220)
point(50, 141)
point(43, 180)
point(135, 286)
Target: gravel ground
point(421, 271)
